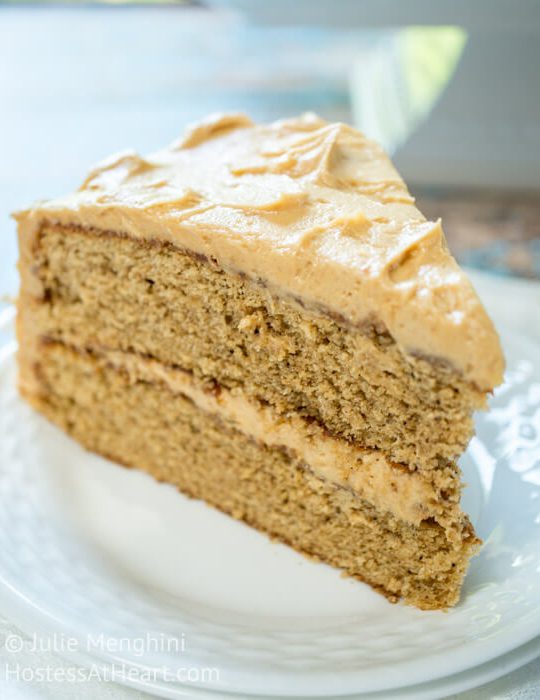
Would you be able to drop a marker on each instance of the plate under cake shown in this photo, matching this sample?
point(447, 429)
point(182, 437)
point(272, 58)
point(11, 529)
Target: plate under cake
point(261, 316)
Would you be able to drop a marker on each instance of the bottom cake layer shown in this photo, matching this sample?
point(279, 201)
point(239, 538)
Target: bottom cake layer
point(145, 425)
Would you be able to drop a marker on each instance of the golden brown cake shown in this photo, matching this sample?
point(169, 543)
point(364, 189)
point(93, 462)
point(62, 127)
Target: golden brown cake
point(259, 315)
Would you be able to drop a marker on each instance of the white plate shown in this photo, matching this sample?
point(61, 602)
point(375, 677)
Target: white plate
point(90, 548)
point(472, 678)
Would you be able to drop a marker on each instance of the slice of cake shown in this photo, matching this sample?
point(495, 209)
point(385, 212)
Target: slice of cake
point(260, 316)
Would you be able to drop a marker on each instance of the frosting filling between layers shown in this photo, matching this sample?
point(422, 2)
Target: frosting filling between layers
point(389, 486)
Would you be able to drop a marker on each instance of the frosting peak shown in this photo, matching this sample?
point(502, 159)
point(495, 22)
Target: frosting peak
point(314, 209)
point(214, 125)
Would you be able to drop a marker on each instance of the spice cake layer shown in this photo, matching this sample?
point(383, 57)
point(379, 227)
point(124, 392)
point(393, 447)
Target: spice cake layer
point(276, 286)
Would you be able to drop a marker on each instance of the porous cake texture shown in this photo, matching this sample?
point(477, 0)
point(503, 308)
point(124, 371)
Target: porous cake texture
point(260, 316)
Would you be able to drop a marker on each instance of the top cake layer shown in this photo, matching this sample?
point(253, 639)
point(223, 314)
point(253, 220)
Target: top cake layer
point(314, 210)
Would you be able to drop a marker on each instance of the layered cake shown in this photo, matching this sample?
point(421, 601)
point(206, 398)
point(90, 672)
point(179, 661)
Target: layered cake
point(260, 315)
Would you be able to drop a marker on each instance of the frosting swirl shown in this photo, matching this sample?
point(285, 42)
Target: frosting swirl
point(314, 209)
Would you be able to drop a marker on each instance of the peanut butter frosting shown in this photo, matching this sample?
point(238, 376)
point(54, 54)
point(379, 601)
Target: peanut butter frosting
point(314, 210)
point(367, 472)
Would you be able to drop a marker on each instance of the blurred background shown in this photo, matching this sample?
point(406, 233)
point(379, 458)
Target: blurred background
point(451, 89)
